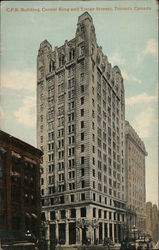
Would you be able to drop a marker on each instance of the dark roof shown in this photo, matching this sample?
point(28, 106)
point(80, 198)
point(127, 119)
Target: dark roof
point(19, 143)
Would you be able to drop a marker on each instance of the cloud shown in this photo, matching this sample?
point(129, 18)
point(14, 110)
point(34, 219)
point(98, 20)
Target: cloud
point(116, 58)
point(19, 79)
point(130, 77)
point(142, 98)
point(142, 123)
point(151, 48)
point(26, 114)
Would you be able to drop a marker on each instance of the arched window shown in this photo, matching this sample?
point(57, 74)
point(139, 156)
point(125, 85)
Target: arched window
point(72, 54)
point(61, 60)
point(51, 66)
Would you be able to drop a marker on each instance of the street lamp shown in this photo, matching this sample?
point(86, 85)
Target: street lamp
point(134, 230)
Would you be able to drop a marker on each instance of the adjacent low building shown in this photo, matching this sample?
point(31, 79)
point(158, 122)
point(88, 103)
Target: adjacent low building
point(19, 191)
point(135, 154)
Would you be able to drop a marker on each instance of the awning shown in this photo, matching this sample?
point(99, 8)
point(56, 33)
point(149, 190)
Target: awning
point(29, 160)
point(28, 215)
point(14, 173)
point(16, 155)
point(2, 150)
point(34, 216)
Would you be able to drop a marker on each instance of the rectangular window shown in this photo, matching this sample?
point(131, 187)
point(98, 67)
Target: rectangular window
point(110, 215)
point(72, 213)
point(99, 213)
point(105, 214)
point(82, 50)
point(82, 184)
point(72, 198)
point(52, 215)
point(83, 212)
point(94, 173)
point(82, 160)
point(82, 171)
point(94, 212)
point(93, 160)
point(82, 124)
point(82, 112)
point(94, 196)
point(82, 100)
point(82, 88)
point(82, 136)
point(83, 197)
point(63, 214)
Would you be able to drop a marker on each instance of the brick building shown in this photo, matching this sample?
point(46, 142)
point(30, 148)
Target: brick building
point(135, 154)
point(80, 129)
point(19, 190)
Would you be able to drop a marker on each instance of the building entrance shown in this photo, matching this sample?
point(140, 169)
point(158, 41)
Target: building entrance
point(72, 233)
point(84, 235)
point(62, 233)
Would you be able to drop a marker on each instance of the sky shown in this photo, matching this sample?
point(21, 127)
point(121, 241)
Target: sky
point(127, 32)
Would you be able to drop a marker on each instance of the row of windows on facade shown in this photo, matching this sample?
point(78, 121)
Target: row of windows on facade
point(101, 137)
point(72, 82)
point(71, 117)
point(61, 92)
point(61, 199)
point(71, 175)
point(71, 150)
point(29, 198)
point(16, 161)
point(71, 93)
point(100, 178)
point(71, 163)
point(97, 213)
point(28, 180)
point(112, 191)
point(71, 140)
point(61, 88)
point(62, 59)
point(61, 165)
point(98, 198)
point(98, 84)
point(50, 116)
point(116, 138)
point(101, 186)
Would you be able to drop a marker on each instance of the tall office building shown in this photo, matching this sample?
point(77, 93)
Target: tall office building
point(80, 128)
point(135, 179)
point(152, 221)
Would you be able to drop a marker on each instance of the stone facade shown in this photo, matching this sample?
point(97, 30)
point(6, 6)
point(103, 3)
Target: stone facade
point(80, 129)
point(135, 153)
point(152, 221)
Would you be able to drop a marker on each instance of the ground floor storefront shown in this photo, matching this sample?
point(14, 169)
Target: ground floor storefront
point(70, 234)
point(83, 226)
